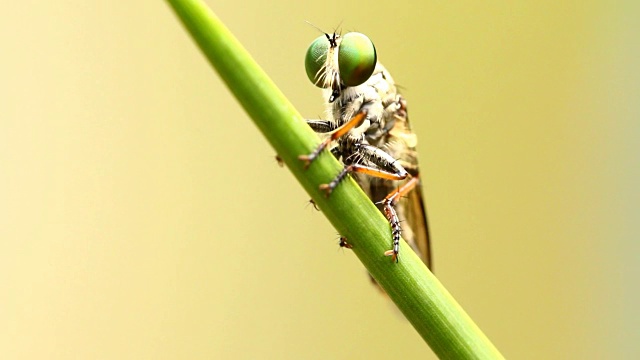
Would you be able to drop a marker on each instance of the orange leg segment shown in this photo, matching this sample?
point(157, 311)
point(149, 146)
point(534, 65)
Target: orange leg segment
point(339, 132)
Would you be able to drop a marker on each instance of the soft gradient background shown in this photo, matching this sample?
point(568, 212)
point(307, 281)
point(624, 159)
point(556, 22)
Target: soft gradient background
point(144, 217)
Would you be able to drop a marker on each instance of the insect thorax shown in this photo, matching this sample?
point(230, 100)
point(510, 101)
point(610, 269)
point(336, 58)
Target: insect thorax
point(377, 95)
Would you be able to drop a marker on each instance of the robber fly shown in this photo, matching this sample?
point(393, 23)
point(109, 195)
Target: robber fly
point(369, 131)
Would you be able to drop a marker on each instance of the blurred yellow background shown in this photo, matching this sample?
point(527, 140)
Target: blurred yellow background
point(144, 216)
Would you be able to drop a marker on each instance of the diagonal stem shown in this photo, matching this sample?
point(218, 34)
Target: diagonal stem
point(433, 312)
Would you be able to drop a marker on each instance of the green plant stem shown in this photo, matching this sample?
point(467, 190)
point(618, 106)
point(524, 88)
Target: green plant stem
point(434, 313)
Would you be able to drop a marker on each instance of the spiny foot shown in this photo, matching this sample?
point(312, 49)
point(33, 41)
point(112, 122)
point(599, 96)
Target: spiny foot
point(393, 254)
point(306, 159)
point(327, 188)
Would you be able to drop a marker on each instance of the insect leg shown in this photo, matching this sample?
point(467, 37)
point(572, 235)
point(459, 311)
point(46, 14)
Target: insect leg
point(339, 132)
point(386, 167)
point(389, 203)
point(396, 231)
point(321, 126)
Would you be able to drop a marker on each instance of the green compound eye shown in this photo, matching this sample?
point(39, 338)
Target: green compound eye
point(315, 58)
point(356, 59)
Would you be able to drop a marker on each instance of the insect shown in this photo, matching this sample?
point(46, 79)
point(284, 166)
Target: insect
point(313, 203)
point(368, 129)
point(279, 161)
point(343, 243)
